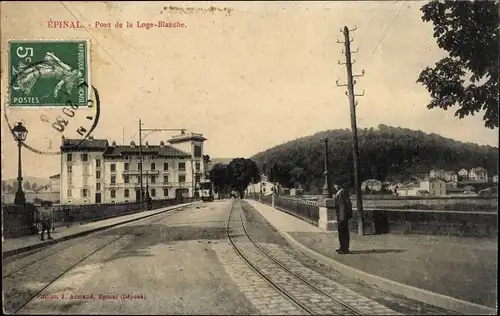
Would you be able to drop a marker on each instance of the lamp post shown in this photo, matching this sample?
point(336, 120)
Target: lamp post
point(150, 130)
point(327, 192)
point(20, 132)
point(147, 190)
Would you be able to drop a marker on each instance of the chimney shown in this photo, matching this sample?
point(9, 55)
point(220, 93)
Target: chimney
point(147, 144)
point(132, 144)
point(91, 137)
point(162, 144)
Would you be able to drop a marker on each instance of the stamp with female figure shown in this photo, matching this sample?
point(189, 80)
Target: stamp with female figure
point(49, 72)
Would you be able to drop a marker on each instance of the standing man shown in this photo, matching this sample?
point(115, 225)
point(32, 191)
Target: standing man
point(46, 220)
point(343, 208)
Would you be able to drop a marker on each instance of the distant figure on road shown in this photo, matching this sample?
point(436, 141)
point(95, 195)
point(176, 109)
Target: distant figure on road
point(46, 220)
point(343, 208)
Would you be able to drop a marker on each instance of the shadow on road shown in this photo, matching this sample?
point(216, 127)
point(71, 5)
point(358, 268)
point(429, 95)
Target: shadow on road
point(361, 252)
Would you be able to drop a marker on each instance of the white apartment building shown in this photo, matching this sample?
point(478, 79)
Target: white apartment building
point(478, 174)
point(94, 171)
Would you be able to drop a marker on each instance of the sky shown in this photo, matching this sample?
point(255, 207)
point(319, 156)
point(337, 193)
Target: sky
point(256, 77)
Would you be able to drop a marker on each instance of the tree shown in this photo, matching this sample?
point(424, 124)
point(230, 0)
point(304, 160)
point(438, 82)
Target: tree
point(220, 178)
point(34, 186)
point(206, 163)
point(468, 31)
point(26, 185)
point(242, 172)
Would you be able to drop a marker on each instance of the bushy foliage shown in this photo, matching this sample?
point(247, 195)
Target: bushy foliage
point(386, 154)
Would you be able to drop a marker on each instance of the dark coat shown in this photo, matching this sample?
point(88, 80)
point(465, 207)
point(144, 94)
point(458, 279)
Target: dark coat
point(343, 205)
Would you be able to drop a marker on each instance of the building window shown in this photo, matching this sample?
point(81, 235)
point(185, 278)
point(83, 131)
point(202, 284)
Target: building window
point(69, 157)
point(113, 167)
point(182, 178)
point(113, 179)
point(139, 166)
point(153, 192)
point(153, 166)
point(69, 193)
point(70, 179)
point(165, 166)
point(165, 179)
point(182, 166)
point(70, 169)
point(84, 192)
point(126, 166)
point(98, 187)
point(126, 193)
point(198, 166)
point(197, 151)
point(113, 193)
point(126, 179)
point(153, 179)
point(98, 163)
point(85, 157)
point(197, 178)
point(165, 192)
point(97, 174)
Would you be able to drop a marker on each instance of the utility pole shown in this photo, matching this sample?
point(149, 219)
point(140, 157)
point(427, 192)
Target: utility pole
point(150, 130)
point(352, 103)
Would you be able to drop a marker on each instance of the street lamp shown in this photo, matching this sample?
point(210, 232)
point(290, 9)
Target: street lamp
point(327, 192)
point(20, 132)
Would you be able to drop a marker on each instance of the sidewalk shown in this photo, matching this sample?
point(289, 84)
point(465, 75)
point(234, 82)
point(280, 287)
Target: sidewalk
point(453, 273)
point(14, 246)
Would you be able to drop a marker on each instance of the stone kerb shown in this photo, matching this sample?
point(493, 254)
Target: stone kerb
point(327, 216)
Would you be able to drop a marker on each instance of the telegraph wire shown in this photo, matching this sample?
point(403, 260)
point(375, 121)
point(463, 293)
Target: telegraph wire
point(383, 36)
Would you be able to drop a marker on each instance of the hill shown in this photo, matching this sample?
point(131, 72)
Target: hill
point(10, 185)
point(214, 161)
point(386, 153)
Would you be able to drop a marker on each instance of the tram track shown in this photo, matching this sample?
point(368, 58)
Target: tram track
point(303, 304)
point(24, 270)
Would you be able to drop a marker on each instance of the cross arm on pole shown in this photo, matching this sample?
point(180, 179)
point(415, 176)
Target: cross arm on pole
point(340, 85)
point(360, 95)
point(362, 74)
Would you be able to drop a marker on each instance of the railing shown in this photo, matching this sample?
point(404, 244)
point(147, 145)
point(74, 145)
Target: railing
point(67, 215)
point(307, 211)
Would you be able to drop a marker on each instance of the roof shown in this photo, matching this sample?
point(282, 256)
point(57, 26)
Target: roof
point(372, 181)
point(154, 150)
point(453, 189)
point(55, 176)
point(69, 145)
point(187, 137)
point(478, 169)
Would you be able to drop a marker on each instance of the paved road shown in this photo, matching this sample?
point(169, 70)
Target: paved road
point(179, 262)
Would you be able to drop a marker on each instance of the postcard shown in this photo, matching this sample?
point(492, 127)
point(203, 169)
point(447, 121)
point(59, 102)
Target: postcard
point(249, 157)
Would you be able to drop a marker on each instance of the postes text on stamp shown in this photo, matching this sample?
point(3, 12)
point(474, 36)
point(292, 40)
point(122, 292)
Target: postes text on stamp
point(49, 72)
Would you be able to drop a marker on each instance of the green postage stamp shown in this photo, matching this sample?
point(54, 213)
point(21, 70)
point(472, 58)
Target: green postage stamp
point(49, 73)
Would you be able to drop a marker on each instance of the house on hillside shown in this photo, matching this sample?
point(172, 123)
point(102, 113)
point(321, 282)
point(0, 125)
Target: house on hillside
point(265, 186)
point(494, 179)
point(411, 189)
point(372, 185)
point(463, 174)
point(468, 189)
point(436, 173)
point(451, 184)
point(450, 176)
point(434, 186)
point(55, 183)
point(478, 174)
